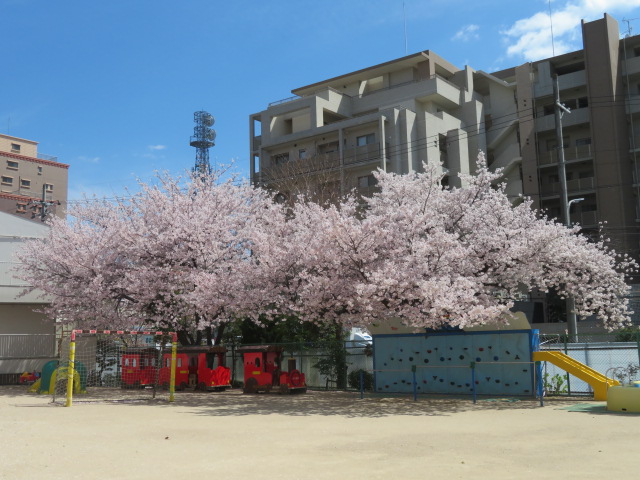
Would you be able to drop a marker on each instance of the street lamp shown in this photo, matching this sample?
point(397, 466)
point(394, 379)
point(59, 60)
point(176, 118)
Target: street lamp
point(575, 200)
point(572, 321)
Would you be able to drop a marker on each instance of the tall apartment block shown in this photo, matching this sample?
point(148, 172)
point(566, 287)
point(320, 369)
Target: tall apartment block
point(421, 109)
point(30, 181)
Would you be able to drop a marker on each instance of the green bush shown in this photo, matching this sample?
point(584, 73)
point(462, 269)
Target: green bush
point(354, 380)
point(628, 334)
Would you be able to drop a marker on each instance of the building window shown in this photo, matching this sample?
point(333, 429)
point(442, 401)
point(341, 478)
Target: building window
point(583, 141)
point(367, 181)
point(280, 158)
point(302, 154)
point(48, 187)
point(25, 183)
point(366, 139)
point(21, 207)
point(11, 165)
point(549, 109)
point(39, 170)
point(583, 102)
point(7, 180)
point(15, 148)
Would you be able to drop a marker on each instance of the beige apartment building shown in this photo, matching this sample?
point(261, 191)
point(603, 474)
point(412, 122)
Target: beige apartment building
point(331, 135)
point(28, 178)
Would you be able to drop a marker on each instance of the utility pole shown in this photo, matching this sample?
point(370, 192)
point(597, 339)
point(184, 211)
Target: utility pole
point(44, 204)
point(560, 109)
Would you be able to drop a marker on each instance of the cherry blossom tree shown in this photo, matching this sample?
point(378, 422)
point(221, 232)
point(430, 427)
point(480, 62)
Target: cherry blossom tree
point(193, 255)
point(172, 257)
point(433, 256)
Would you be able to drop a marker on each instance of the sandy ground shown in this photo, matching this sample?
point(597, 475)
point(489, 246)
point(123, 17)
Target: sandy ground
point(320, 435)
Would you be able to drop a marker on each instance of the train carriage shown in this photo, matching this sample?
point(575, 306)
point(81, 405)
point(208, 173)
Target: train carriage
point(139, 367)
point(198, 367)
point(263, 371)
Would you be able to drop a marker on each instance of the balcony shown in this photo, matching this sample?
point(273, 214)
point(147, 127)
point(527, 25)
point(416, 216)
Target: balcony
point(435, 88)
point(363, 154)
point(633, 105)
point(576, 186)
point(584, 219)
point(583, 152)
point(576, 117)
point(632, 65)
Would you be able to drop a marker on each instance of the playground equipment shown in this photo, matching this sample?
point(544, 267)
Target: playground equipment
point(50, 377)
point(28, 378)
point(262, 371)
point(599, 382)
point(625, 398)
point(201, 368)
point(139, 367)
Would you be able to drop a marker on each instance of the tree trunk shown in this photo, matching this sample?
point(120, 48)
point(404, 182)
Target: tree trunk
point(340, 359)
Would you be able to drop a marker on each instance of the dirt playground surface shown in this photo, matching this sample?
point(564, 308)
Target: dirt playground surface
point(320, 435)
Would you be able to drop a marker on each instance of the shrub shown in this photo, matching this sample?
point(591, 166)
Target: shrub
point(354, 380)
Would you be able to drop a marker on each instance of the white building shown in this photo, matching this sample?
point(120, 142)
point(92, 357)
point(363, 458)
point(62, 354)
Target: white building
point(27, 338)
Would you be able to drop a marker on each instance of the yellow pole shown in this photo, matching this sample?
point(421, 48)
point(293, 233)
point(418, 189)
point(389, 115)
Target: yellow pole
point(70, 369)
point(172, 380)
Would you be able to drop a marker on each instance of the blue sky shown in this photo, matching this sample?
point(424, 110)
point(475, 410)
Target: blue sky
point(110, 87)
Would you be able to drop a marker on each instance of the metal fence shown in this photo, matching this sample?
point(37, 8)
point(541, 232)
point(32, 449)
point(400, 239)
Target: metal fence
point(308, 358)
point(614, 355)
point(24, 353)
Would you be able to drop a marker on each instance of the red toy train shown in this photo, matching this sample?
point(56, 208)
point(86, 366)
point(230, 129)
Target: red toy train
point(203, 368)
point(263, 371)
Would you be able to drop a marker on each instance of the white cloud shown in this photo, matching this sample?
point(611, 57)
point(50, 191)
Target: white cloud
point(156, 147)
point(467, 33)
point(530, 37)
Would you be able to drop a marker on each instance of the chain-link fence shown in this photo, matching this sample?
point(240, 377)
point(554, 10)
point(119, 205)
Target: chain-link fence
point(615, 355)
point(320, 363)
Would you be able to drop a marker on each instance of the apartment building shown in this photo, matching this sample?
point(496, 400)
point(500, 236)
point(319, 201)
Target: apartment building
point(30, 181)
point(417, 109)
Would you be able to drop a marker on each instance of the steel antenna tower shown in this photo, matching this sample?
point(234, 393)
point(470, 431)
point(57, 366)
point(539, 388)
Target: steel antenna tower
point(203, 139)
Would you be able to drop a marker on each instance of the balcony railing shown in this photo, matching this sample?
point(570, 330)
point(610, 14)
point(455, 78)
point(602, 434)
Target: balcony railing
point(585, 219)
point(582, 152)
point(573, 186)
point(51, 158)
point(362, 154)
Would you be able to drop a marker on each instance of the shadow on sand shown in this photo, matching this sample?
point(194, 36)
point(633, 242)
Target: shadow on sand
point(313, 403)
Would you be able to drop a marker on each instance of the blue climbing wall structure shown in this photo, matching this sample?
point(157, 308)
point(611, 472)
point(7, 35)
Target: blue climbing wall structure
point(443, 360)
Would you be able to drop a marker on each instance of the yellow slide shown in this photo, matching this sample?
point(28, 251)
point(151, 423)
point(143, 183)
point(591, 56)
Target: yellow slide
point(598, 381)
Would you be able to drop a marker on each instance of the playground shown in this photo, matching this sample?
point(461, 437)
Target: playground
point(320, 435)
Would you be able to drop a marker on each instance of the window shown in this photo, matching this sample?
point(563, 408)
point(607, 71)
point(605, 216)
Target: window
point(280, 158)
point(367, 181)
point(583, 141)
point(552, 144)
point(583, 102)
point(302, 154)
point(7, 180)
point(11, 165)
point(39, 170)
point(15, 148)
point(366, 139)
point(549, 109)
point(25, 183)
point(48, 187)
point(21, 207)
